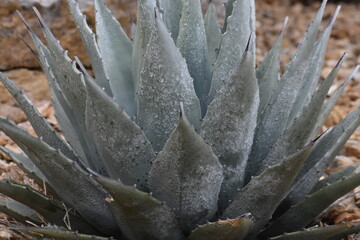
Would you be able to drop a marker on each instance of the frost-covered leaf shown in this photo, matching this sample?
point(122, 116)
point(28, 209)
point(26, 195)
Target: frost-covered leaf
point(193, 47)
point(330, 103)
point(187, 176)
point(230, 122)
point(324, 152)
point(240, 25)
point(38, 122)
point(213, 34)
point(269, 188)
point(57, 233)
point(313, 233)
point(313, 72)
point(139, 215)
point(122, 145)
point(268, 72)
point(116, 49)
point(19, 211)
point(165, 82)
point(171, 14)
point(76, 187)
point(273, 120)
point(53, 211)
point(312, 206)
point(145, 17)
point(89, 40)
point(231, 229)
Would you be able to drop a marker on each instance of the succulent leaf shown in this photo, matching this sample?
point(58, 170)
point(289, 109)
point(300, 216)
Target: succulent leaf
point(330, 103)
point(333, 177)
point(122, 145)
point(187, 176)
point(346, 232)
point(89, 40)
point(193, 47)
point(233, 43)
point(229, 6)
point(145, 18)
point(320, 158)
point(171, 14)
point(314, 233)
point(39, 123)
point(50, 209)
point(58, 233)
point(231, 229)
point(313, 72)
point(268, 74)
point(230, 122)
point(19, 211)
point(273, 120)
point(213, 34)
point(278, 179)
point(76, 187)
point(311, 207)
point(138, 213)
point(117, 47)
point(165, 82)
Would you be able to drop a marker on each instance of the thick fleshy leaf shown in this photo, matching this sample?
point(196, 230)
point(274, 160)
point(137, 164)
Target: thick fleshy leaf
point(229, 125)
point(333, 177)
point(76, 188)
point(298, 133)
point(116, 49)
point(57, 233)
point(193, 47)
point(139, 215)
point(213, 34)
point(38, 122)
point(122, 145)
point(321, 157)
point(19, 211)
point(314, 233)
point(145, 17)
point(187, 176)
point(269, 187)
point(165, 82)
point(240, 25)
point(68, 78)
point(26, 165)
point(229, 5)
point(231, 229)
point(312, 206)
point(171, 14)
point(330, 103)
point(273, 120)
point(53, 211)
point(268, 72)
point(313, 72)
point(346, 232)
point(89, 40)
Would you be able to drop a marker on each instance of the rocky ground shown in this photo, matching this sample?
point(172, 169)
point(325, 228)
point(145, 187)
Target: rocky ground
point(17, 62)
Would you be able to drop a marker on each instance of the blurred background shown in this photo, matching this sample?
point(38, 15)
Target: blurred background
point(19, 64)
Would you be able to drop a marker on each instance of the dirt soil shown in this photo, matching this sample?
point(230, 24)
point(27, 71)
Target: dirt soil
point(270, 15)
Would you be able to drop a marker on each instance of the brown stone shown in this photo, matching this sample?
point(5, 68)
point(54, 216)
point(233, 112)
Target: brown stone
point(352, 148)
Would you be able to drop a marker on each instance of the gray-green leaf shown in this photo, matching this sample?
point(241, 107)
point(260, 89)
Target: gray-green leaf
point(139, 215)
point(165, 82)
point(171, 15)
point(229, 125)
point(116, 49)
point(213, 34)
point(193, 47)
point(187, 176)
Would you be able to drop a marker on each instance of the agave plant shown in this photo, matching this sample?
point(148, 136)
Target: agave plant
point(178, 135)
